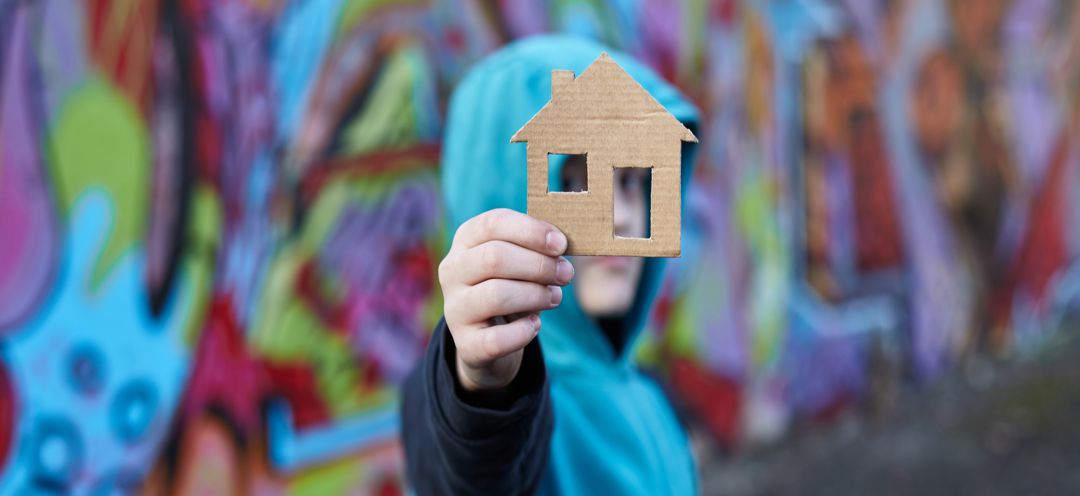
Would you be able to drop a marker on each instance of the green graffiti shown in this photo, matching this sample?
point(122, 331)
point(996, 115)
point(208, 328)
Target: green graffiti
point(755, 214)
point(388, 118)
point(203, 237)
point(287, 331)
point(354, 12)
point(100, 141)
point(339, 477)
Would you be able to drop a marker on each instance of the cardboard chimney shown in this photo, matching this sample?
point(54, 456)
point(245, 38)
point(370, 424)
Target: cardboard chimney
point(609, 118)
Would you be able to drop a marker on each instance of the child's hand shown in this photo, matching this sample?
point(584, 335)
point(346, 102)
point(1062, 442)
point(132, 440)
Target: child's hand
point(502, 270)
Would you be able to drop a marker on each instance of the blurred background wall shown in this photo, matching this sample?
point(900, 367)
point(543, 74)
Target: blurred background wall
point(220, 219)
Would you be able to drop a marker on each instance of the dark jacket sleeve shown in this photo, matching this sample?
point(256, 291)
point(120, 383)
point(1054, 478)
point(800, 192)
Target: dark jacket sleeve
point(460, 443)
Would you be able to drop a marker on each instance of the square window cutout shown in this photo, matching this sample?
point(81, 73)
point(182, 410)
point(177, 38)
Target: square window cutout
point(632, 189)
point(567, 173)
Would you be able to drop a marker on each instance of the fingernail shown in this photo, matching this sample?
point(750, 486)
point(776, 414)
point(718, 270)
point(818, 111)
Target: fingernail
point(556, 242)
point(564, 271)
point(556, 295)
point(535, 320)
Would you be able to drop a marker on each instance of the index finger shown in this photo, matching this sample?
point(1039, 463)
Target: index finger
point(514, 227)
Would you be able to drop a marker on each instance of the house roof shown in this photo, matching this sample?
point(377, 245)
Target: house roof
point(603, 92)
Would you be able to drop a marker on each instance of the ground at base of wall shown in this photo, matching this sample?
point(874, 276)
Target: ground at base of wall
point(1004, 428)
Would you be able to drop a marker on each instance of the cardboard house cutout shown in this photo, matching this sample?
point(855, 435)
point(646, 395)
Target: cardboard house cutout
point(609, 118)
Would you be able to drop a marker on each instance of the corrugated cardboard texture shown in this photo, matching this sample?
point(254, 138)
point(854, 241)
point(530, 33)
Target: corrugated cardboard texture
point(608, 117)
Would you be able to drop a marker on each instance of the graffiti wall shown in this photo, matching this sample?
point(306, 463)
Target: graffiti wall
point(220, 219)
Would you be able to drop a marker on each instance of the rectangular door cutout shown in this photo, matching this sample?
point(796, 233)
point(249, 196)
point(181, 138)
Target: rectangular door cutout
point(632, 191)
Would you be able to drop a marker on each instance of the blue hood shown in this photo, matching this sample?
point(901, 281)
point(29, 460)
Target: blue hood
point(614, 430)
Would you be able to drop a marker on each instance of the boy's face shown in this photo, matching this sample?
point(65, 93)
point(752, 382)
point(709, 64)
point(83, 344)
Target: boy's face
point(606, 286)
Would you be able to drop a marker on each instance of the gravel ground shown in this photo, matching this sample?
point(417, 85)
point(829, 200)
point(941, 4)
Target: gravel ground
point(989, 428)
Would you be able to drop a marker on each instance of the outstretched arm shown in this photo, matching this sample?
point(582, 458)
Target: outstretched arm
point(476, 412)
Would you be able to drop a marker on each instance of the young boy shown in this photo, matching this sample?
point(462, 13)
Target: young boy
point(490, 409)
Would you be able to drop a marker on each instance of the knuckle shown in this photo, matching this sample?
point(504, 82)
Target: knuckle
point(466, 347)
point(450, 313)
point(490, 259)
point(491, 221)
point(444, 271)
point(497, 297)
point(455, 331)
point(467, 352)
point(483, 299)
point(489, 345)
point(472, 347)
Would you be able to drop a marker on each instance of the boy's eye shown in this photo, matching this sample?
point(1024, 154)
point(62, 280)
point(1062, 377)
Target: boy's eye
point(575, 175)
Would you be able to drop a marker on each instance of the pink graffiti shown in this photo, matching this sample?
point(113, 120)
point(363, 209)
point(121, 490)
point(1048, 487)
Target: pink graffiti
point(26, 217)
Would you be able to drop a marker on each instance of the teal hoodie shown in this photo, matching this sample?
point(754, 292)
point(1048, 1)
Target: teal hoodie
point(615, 432)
